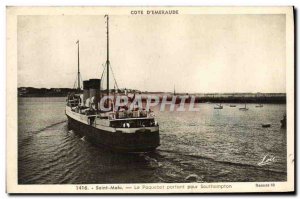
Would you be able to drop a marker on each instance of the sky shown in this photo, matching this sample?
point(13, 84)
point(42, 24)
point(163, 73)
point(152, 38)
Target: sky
point(194, 53)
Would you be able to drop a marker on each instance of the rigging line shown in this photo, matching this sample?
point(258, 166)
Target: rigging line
point(75, 82)
point(81, 85)
point(114, 77)
point(102, 75)
point(104, 67)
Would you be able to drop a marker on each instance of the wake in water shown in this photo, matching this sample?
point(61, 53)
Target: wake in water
point(197, 156)
point(47, 127)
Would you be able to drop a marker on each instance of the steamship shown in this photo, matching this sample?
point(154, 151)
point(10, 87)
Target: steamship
point(120, 130)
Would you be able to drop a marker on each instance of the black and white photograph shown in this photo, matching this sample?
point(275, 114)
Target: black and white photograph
point(150, 99)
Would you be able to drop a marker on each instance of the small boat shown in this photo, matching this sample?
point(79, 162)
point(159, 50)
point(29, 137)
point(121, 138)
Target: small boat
point(259, 106)
point(218, 107)
point(232, 105)
point(244, 108)
point(266, 125)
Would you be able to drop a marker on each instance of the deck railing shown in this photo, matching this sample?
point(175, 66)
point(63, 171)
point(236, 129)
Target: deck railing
point(129, 114)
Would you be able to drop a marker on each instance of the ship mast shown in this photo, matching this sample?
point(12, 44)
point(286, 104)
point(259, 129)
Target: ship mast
point(78, 80)
point(107, 53)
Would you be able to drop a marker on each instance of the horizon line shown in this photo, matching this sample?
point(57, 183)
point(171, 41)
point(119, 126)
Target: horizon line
point(157, 91)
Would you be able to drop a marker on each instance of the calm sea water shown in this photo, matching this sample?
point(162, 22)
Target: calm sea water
point(210, 145)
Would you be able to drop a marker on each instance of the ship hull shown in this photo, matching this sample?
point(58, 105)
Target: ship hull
point(141, 141)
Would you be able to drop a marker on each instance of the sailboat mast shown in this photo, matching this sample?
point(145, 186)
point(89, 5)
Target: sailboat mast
point(78, 74)
point(174, 90)
point(107, 58)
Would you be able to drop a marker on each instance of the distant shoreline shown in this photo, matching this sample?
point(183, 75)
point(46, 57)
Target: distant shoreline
point(259, 98)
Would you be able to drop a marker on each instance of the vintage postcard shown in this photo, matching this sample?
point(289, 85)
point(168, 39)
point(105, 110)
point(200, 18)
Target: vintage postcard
point(150, 99)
